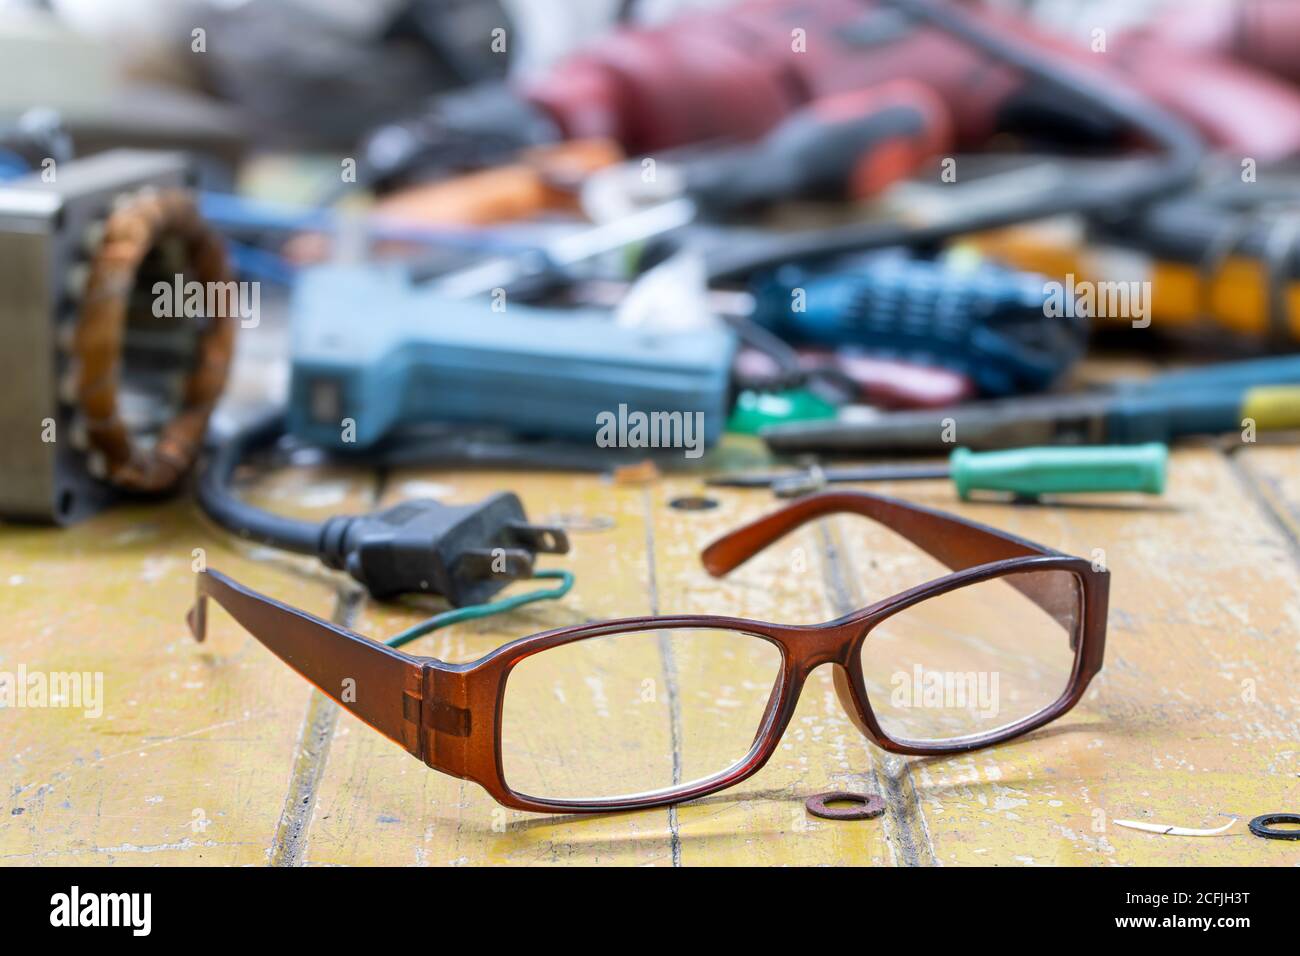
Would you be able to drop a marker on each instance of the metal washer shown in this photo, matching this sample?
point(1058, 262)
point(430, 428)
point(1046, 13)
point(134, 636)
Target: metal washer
point(865, 806)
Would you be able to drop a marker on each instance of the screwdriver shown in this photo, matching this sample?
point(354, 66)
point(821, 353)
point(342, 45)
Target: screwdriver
point(1024, 472)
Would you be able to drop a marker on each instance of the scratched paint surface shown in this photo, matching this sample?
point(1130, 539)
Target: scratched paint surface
point(1193, 717)
point(189, 761)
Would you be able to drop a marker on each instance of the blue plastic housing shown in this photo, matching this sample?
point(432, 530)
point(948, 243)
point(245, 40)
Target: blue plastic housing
point(373, 347)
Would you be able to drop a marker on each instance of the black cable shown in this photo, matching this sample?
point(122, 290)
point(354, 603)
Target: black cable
point(1177, 170)
point(221, 505)
point(466, 553)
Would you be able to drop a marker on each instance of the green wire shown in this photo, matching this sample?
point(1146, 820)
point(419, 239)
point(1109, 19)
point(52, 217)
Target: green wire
point(475, 611)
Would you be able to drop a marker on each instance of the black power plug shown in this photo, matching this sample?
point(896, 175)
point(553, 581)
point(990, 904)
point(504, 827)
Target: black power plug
point(466, 553)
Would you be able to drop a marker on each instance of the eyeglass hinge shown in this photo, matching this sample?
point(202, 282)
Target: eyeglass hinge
point(413, 712)
point(429, 718)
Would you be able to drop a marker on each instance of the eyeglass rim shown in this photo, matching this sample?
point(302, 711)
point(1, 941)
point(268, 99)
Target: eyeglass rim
point(852, 630)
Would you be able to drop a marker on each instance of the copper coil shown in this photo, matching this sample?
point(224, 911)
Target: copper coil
point(134, 228)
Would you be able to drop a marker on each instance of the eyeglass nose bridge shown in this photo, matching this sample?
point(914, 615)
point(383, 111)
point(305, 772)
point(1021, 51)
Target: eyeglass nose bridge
point(835, 645)
point(812, 647)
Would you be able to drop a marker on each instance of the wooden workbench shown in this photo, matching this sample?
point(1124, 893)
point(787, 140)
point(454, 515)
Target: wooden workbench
point(220, 754)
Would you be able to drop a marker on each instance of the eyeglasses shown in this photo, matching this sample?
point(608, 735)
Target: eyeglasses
point(648, 711)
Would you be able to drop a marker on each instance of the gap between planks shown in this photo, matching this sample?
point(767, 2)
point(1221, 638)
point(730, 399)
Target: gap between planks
point(289, 843)
point(669, 666)
point(905, 826)
point(1275, 511)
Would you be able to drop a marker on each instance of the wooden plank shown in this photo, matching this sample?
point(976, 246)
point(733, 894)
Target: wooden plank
point(379, 805)
point(189, 761)
point(1194, 717)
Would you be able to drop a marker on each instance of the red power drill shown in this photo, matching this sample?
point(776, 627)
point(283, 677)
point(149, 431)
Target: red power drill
point(736, 73)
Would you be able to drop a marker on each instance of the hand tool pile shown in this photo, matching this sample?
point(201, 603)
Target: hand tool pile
point(895, 329)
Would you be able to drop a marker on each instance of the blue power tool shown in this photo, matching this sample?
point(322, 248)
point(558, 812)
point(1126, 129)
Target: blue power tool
point(983, 320)
point(374, 351)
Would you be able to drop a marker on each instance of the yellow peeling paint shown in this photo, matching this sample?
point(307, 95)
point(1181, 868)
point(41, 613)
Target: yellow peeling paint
point(189, 761)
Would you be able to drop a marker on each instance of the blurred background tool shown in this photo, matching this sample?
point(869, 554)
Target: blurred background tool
point(978, 319)
point(884, 383)
point(541, 182)
point(1260, 33)
point(317, 74)
point(1279, 370)
point(423, 356)
point(1222, 258)
point(545, 179)
point(28, 143)
point(103, 397)
point(1210, 401)
point(893, 330)
point(852, 145)
point(766, 364)
point(1172, 165)
point(849, 146)
point(734, 73)
point(1024, 472)
point(693, 72)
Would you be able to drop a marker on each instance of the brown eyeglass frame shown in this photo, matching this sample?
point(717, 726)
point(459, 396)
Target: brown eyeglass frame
point(449, 715)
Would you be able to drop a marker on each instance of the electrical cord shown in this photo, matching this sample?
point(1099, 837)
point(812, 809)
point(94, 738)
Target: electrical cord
point(1178, 169)
point(478, 611)
point(220, 504)
point(466, 553)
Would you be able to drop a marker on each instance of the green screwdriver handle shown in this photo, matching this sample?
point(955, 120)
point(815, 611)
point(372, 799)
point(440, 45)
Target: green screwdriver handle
point(1038, 471)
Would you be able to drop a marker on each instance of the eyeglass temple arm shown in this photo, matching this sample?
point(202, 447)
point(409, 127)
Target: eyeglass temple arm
point(958, 544)
point(363, 677)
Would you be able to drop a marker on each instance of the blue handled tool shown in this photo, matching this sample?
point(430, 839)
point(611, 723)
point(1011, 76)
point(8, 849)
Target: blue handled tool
point(982, 320)
point(1282, 370)
point(372, 351)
